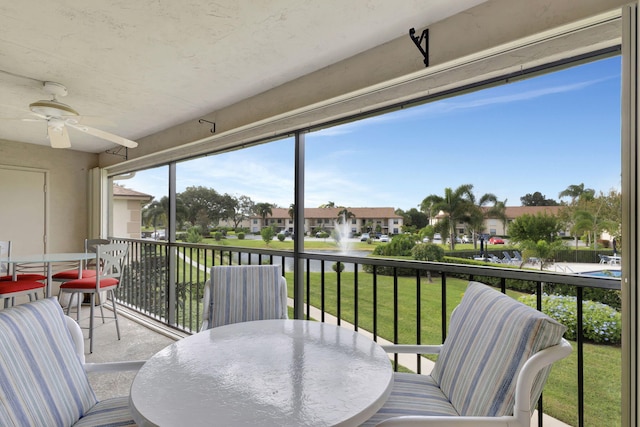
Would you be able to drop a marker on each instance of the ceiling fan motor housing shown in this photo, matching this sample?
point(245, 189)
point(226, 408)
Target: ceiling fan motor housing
point(53, 108)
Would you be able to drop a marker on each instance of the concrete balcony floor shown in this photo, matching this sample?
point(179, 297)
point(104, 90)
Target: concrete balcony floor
point(139, 340)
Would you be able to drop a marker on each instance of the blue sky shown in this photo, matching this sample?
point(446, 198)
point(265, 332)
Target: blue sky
point(539, 134)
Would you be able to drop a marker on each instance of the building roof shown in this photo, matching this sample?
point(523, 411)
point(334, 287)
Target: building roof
point(120, 191)
point(312, 213)
point(513, 212)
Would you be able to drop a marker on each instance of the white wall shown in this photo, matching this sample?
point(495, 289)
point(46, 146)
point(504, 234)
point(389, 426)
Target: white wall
point(68, 172)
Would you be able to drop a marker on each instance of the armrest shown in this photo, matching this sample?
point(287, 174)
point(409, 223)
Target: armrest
point(412, 348)
point(130, 365)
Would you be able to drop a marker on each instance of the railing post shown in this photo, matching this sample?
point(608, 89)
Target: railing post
point(298, 242)
point(172, 250)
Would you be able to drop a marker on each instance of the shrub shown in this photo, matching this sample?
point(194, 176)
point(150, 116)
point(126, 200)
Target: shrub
point(427, 252)
point(281, 237)
point(267, 234)
point(400, 245)
point(240, 235)
point(193, 235)
point(217, 236)
point(602, 324)
point(338, 265)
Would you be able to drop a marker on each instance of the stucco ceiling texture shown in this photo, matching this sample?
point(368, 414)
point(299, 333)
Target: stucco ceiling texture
point(134, 68)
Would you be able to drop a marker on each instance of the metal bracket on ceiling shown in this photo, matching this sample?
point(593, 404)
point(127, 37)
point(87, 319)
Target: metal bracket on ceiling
point(213, 124)
point(116, 152)
point(418, 41)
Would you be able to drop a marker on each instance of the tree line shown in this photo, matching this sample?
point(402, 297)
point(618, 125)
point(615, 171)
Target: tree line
point(583, 212)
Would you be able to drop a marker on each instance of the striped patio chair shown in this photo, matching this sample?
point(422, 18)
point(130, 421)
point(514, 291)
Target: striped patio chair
point(490, 370)
point(242, 293)
point(43, 371)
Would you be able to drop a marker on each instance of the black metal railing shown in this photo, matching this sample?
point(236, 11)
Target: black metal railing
point(394, 299)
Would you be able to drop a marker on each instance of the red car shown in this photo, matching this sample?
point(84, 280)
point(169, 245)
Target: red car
point(496, 241)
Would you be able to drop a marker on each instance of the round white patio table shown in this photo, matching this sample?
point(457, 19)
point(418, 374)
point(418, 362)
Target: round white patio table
point(48, 260)
point(264, 373)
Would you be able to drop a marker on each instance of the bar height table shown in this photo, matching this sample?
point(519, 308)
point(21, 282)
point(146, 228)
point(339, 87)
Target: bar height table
point(48, 260)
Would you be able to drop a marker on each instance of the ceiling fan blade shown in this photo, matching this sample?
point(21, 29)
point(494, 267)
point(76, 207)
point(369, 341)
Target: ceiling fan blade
point(105, 135)
point(58, 136)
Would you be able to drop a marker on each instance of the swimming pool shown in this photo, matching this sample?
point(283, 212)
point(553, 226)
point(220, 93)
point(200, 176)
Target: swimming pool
point(604, 273)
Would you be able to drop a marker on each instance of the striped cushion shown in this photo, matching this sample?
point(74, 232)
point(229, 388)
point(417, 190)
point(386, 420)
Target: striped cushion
point(108, 413)
point(245, 293)
point(490, 337)
point(42, 381)
point(413, 394)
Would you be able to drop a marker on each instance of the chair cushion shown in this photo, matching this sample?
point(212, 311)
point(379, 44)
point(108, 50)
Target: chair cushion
point(108, 413)
point(43, 381)
point(413, 394)
point(26, 276)
point(73, 274)
point(7, 287)
point(245, 293)
point(490, 337)
point(89, 283)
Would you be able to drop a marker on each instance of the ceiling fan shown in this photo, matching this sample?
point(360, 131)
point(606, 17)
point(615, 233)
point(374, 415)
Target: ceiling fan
point(59, 116)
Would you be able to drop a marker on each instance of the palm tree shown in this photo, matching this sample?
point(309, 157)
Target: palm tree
point(156, 212)
point(476, 215)
point(577, 192)
point(456, 205)
point(499, 211)
point(264, 209)
point(344, 215)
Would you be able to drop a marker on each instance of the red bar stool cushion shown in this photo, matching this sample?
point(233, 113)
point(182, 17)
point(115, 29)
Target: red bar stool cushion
point(73, 274)
point(89, 283)
point(7, 287)
point(26, 276)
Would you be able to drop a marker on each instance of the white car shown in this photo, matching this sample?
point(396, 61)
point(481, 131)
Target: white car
point(384, 238)
point(467, 239)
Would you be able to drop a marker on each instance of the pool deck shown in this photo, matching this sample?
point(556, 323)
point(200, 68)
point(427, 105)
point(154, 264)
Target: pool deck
point(577, 267)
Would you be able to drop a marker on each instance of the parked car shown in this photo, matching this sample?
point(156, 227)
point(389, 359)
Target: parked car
point(364, 237)
point(467, 239)
point(384, 238)
point(495, 240)
point(437, 239)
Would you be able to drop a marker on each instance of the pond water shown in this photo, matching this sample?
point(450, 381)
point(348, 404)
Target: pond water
point(315, 265)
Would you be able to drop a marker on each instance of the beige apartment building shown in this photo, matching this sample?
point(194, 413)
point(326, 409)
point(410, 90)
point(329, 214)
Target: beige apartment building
point(126, 208)
point(498, 226)
point(384, 220)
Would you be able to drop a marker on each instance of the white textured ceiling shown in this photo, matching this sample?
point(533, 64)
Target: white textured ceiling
point(134, 68)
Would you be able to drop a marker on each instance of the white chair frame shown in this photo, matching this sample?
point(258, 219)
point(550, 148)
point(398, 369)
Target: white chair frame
point(521, 413)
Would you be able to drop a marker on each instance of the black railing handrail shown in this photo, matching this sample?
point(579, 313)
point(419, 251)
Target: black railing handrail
point(573, 279)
